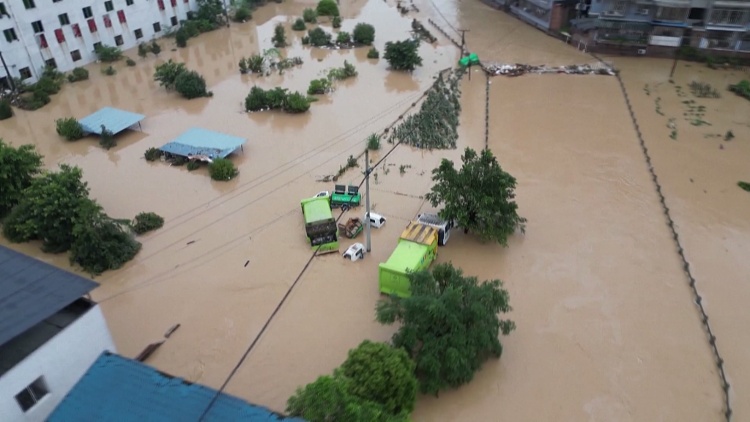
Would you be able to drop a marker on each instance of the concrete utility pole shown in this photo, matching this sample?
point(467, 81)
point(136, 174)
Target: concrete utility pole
point(367, 198)
point(10, 78)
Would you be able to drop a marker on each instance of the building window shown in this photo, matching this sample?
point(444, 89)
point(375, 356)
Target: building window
point(619, 7)
point(119, 41)
point(31, 395)
point(51, 63)
point(174, 3)
point(129, 2)
point(3, 11)
point(29, 4)
point(97, 46)
point(76, 30)
point(25, 73)
point(726, 17)
point(138, 34)
point(63, 19)
point(59, 35)
point(107, 21)
point(75, 55)
point(174, 20)
point(10, 35)
point(92, 25)
point(157, 27)
point(671, 13)
point(161, 4)
point(121, 16)
point(38, 27)
point(108, 6)
point(56, 1)
point(87, 13)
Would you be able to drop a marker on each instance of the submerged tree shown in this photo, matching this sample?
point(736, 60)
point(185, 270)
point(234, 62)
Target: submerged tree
point(403, 55)
point(479, 197)
point(18, 166)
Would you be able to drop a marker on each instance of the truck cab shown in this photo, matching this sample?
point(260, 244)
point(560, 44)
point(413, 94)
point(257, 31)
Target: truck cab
point(443, 227)
point(376, 220)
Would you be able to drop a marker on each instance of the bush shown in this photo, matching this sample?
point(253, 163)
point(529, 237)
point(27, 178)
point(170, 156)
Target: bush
point(741, 88)
point(222, 169)
point(130, 62)
point(100, 243)
point(319, 86)
point(364, 33)
point(341, 73)
point(242, 14)
point(78, 74)
point(243, 66)
point(6, 111)
point(193, 165)
point(146, 222)
point(402, 55)
point(255, 63)
point(33, 100)
point(107, 138)
point(305, 40)
point(327, 8)
point(336, 22)
point(373, 53)
point(319, 37)
point(108, 53)
point(155, 48)
point(279, 36)
point(296, 103)
point(276, 98)
point(48, 85)
point(142, 50)
point(343, 37)
point(18, 166)
point(256, 100)
point(309, 16)
point(153, 154)
point(191, 85)
point(69, 128)
point(109, 71)
point(181, 38)
point(299, 25)
point(373, 142)
point(166, 73)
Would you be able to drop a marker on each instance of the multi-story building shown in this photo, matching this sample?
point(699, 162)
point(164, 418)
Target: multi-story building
point(547, 15)
point(50, 334)
point(65, 33)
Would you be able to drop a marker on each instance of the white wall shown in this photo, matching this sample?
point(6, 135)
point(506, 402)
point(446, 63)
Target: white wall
point(62, 361)
point(25, 52)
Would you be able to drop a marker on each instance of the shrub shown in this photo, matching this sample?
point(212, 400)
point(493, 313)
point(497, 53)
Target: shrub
point(373, 53)
point(48, 85)
point(142, 50)
point(242, 14)
point(166, 73)
point(243, 66)
point(741, 88)
point(107, 138)
point(364, 33)
point(343, 37)
point(18, 166)
point(180, 38)
point(296, 103)
point(276, 98)
point(319, 86)
point(146, 222)
point(329, 399)
point(69, 128)
point(155, 48)
point(153, 154)
point(6, 111)
point(305, 40)
point(319, 37)
point(191, 85)
point(341, 73)
point(193, 165)
point(744, 186)
point(309, 16)
point(33, 100)
point(108, 53)
point(255, 63)
point(299, 25)
point(78, 74)
point(279, 36)
point(130, 62)
point(222, 169)
point(327, 8)
point(373, 142)
point(109, 71)
point(256, 100)
point(100, 243)
point(402, 55)
point(336, 22)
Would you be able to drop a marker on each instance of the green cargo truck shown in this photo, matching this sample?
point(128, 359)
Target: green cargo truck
point(416, 249)
point(320, 226)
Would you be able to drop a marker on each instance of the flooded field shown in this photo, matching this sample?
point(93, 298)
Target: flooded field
point(607, 328)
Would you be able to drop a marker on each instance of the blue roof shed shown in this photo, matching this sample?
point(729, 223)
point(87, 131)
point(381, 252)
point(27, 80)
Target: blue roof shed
point(119, 389)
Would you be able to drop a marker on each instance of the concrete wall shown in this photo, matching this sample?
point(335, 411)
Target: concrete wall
point(61, 361)
point(26, 52)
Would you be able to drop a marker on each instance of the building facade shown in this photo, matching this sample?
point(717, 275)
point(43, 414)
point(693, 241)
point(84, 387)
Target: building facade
point(65, 33)
point(49, 335)
point(547, 15)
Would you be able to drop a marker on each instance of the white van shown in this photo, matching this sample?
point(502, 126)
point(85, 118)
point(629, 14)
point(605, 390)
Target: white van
point(376, 220)
point(444, 227)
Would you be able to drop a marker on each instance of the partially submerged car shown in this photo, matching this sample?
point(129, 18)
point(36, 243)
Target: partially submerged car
point(355, 252)
point(376, 220)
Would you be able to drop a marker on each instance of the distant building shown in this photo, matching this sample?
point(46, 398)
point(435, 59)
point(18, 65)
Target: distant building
point(547, 15)
point(118, 389)
point(49, 335)
point(64, 34)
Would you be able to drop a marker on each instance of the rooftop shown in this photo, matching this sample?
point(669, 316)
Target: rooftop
point(119, 389)
point(407, 256)
point(202, 142)
point(32, 291)
point(115, 120)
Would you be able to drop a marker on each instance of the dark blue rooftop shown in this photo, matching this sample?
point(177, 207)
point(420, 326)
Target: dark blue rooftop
point(119, 389)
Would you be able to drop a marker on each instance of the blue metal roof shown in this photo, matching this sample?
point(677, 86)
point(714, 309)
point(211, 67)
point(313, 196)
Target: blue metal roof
point(198, 141)
point(115, 120)
point(673, 24)
point(119, 389)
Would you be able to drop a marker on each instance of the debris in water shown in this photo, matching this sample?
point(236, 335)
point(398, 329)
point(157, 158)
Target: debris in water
point(171, 330)
point(191, 242)
point(518, 69)
point(247, 262)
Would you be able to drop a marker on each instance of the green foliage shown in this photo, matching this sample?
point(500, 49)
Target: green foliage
point(276, 98)
point(193, 165)
point(69, 128)
point(319, 86)
point(741, 88)
point(364, 33)
point(373, 142)
point(6, 111)
point(318, 37)
point(343, 37)
point(279, 36)
point(243, 66)
point(373, 53)
point(153, 154)
point(50, 84)
point(143, 50)
point(381, 374)
point(479, 197)
point(341, 73)
point(211, 12)
point(190, 84)
point(108, 54)
point(296, 103)
point(18, 166)
point(180, 38)
point(130, 62)
point(146, 222)
point(449, 325)
point(255, 63)
point(402, 55)
point(309, 16)
point(107, 139)
point(299, 25)
point(155, 48)
point(703, 90)
point(336, 22)
point(100, 243)
point(109, 71)
point(166, 73)
point(33, 100)
point(327, 8)
point(256, 100)
point(222, 169)
point(78, 74)
point(744, 186)
point(242, 14)
point(305, 40)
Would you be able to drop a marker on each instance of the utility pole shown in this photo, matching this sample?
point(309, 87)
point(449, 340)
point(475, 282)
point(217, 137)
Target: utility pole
point(463, 46)
point(10, 78)
point(367, 198)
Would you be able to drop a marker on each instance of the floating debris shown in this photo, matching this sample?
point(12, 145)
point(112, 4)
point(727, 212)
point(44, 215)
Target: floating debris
point(494, 69)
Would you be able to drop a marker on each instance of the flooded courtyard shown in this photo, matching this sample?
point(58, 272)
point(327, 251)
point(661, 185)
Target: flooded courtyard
point(607, 325)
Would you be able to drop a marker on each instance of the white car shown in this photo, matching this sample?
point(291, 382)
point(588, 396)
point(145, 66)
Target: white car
point(322, 194)
point(376, 220)
point(355, 252)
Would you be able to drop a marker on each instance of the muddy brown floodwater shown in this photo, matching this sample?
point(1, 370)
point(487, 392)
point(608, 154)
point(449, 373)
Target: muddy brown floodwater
point(607, 327)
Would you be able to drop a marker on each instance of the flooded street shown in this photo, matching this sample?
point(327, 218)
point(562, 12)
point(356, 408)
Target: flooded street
point(607, 325)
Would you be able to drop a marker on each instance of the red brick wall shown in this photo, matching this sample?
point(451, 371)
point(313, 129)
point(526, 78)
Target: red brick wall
point(559, 17)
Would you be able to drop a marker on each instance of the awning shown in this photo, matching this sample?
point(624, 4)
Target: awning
point(670, 24)
point(726, 28)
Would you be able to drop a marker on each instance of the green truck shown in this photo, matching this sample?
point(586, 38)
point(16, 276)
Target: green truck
point(345, 197)
point(416, 249)
point(320, 226)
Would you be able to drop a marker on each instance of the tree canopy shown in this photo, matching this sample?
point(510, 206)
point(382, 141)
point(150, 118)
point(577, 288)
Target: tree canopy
point(363, 33)
point(18, 166)
point(479, 196)
point(449, 325)
point(327, 8)
point(402, 55)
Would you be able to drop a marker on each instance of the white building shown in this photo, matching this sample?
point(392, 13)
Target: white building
point(64, 33)
point(49, 335)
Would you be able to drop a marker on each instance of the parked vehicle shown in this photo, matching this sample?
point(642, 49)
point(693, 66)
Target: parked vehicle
point(322, 194)
point(443, 227)
point(416, 249)
point(345, 197)
point(352, 228)
point(376, 220)
point(320, 226)
point(355, 252)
